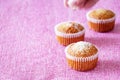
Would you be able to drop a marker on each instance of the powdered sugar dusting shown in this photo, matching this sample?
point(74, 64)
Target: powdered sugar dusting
point(81, 46)
point(68, 24)
point(71, 24)
point(76, 26)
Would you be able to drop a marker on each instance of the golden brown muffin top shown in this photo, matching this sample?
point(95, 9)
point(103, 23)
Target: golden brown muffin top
point(70, 27)
point(82, 49)
point(101, 14)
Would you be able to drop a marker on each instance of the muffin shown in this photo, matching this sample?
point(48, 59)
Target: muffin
point(81, 56)
point(101, 20)
point(69, 32)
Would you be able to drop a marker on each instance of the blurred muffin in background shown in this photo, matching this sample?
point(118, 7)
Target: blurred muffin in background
point(101, 20)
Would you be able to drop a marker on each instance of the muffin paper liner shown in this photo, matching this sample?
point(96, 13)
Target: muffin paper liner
point(82, 66)
point(67, 41)
point(80, 59)
point(68, 35)
point(99, 21)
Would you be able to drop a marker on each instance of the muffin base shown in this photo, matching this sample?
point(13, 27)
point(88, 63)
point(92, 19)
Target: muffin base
point(82, 66)
point(101, 27)
point(66, 41)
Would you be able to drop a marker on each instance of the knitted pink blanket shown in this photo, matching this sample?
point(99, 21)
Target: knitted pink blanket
point(29, 50)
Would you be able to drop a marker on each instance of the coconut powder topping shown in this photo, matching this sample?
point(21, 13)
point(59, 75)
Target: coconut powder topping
point(70, 27)
point(83, 49)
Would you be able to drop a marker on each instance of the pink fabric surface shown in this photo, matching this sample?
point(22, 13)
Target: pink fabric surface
point(29, 50)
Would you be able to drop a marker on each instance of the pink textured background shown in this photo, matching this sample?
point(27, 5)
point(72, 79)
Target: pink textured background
point(29, 50)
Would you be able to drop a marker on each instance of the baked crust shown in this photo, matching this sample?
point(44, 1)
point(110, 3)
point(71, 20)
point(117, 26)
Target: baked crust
point(101, 14)
point(82, 49)
point(70, 27)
